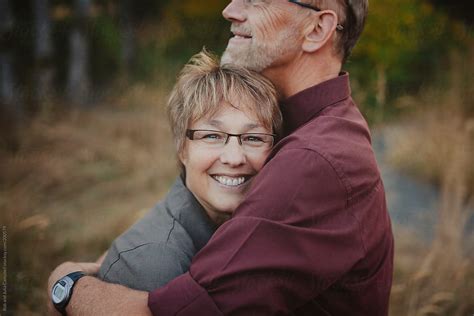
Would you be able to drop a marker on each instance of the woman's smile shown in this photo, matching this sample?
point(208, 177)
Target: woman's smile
point(230, 181)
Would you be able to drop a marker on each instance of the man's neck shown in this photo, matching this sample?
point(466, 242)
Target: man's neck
point(301, 74)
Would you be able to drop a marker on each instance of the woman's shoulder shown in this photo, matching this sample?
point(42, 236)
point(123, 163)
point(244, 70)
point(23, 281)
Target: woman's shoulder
point(146, 267)
point(151, 252)
point(158, 227)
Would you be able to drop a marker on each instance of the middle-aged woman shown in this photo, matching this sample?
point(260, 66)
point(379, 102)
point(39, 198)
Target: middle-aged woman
point(224, 121)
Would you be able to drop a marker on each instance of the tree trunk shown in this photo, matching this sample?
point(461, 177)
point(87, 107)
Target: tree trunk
point(7, 83)
point(78, 79)
point(381, 93)
point(43, 51)
point(127, 36)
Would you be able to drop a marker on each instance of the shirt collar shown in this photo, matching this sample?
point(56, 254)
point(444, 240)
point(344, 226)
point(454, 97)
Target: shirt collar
point(183, 206)
point(305, 105)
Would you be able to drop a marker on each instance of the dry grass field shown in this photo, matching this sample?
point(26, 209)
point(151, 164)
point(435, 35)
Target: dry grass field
point(436, 143)
point(77, 182)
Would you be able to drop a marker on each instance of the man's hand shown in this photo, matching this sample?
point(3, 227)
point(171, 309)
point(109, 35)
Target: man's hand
point(94, 297)
point(88, 268)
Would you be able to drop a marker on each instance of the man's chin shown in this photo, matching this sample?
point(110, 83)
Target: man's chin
point(228, 58)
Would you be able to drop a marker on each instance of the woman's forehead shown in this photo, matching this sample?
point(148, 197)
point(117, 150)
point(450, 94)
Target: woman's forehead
point(227, 110)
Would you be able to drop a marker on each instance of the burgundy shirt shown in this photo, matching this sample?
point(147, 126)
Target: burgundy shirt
point(313, 236)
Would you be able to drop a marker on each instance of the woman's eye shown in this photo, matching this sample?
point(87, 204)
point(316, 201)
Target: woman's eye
point(253, 139)
point(212, 136)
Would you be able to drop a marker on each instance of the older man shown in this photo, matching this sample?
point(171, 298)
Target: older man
point(313, 236)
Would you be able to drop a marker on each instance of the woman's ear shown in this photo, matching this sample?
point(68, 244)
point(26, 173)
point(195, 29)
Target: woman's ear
point(320, 31)
point(182, 156)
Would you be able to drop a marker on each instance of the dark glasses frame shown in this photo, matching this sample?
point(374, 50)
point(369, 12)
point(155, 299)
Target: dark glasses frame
point(190, 135)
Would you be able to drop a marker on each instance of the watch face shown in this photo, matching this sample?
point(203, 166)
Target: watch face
point(59, 293)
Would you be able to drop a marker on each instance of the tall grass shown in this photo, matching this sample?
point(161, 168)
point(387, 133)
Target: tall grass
point(437, 143)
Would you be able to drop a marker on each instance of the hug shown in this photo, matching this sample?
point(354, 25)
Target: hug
point(268, 216)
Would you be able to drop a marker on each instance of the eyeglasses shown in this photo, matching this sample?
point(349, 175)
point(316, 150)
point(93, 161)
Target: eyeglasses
point(339, 27)
point(249, 141)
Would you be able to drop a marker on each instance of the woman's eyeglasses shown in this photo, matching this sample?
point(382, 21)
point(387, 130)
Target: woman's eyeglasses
point(249, 141)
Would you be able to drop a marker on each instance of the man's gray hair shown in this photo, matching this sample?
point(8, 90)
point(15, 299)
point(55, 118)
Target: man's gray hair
point(352, 15)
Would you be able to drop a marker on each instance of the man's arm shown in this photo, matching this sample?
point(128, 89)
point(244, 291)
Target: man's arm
point(94, 297)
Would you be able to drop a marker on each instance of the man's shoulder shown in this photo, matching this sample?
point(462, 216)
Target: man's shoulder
point(340, 138)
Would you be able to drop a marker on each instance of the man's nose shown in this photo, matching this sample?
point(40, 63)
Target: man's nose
point(234, 11)
point(233, 153)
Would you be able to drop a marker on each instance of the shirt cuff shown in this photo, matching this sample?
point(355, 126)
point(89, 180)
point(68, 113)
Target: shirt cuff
point(182, 296)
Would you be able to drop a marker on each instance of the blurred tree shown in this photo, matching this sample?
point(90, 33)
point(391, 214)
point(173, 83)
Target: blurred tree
point(198, 24)
point(402, 42)
point(43, 51)
point(7, 85)
point(78, 85)
point(132, 17)
point(462, 9)
point(388, 36)
point(128, 45)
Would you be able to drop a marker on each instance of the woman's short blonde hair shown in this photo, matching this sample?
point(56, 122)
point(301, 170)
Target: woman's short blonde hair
point(203, 85)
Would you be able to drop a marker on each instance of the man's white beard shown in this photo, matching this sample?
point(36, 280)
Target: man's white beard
point(259, 56)
point(254, 57)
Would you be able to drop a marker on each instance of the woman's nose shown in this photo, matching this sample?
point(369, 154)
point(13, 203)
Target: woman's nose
point(235, 11)
point(233, 153)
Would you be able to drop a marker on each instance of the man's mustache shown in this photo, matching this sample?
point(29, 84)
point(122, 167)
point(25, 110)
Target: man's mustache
point(241, 30)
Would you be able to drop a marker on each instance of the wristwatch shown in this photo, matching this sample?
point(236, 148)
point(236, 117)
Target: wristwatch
point(62, 290)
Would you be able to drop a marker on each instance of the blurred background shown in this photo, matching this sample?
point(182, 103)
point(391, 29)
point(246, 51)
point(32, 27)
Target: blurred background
point(85, 147)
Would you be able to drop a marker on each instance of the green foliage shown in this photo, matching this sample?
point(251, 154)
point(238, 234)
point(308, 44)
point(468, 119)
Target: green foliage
point(105, 48)
point(149, 60)
point(184, 29)
point(404, 41)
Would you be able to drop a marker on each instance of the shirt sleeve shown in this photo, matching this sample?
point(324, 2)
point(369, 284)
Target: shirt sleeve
point(146, 267)
point(291, 238)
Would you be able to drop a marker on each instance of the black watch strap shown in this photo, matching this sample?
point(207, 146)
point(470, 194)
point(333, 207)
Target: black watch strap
point(76, 275)
point(68, 280)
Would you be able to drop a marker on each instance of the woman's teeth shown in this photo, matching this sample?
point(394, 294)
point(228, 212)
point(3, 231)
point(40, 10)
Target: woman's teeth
point(230, 181)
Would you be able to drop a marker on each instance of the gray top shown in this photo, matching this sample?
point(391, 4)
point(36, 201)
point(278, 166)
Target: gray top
point(161, 245)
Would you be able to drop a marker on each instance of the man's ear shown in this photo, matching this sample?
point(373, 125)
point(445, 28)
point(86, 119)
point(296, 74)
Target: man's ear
point(320, 31)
